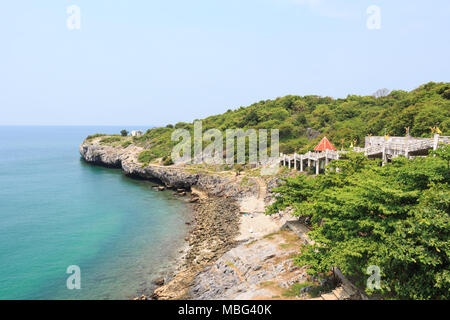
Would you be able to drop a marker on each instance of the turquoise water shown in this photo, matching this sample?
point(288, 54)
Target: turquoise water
point(57, 211)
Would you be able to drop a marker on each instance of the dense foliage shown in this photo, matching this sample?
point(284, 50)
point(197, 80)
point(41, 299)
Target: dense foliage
point(341, 120)
point(394, 216)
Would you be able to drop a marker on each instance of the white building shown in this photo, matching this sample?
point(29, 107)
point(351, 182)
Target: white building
point(136, 133)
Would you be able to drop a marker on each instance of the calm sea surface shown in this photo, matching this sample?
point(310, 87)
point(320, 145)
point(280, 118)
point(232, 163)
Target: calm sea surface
point(57, 211)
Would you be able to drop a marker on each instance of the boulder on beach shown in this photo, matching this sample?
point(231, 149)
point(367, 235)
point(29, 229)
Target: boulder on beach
point(159, 281)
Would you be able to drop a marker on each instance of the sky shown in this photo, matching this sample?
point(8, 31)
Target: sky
point(147, 62)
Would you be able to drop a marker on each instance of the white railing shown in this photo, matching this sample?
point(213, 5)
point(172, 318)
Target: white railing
point(394, 149)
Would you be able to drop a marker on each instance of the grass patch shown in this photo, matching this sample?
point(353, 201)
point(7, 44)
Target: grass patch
point(126, 144)
point(108, 140)
point(294, 290)
point(93, 136)
point(146, 156)
point(291, 240)
point(245, 181)
point(271, 235)
point(267, 284)
point(251, 243)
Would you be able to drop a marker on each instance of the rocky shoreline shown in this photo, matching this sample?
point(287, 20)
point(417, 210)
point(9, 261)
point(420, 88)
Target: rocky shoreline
point(215, 203)
point(234, 251)
point(216, 225)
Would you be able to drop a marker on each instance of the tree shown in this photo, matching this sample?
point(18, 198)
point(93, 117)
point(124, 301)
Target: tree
point(123, 133)
point(443, 152)
point(300, 120)
point(395, 217)
point(251, 118)
point(381, 93)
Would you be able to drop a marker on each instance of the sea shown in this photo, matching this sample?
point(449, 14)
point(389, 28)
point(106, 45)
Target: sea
point(72, 230)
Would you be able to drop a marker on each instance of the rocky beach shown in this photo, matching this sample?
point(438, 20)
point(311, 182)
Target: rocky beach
point(233, 250)
point(218, 225)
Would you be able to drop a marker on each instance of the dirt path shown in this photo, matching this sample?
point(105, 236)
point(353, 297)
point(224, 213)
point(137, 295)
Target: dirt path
point(254, 222)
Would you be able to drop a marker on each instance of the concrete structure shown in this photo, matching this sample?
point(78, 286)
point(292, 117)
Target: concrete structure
point(385, 148)
point(136, 133)
point(316, 160)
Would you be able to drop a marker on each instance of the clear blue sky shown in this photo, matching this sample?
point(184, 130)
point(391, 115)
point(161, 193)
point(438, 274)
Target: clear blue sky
point(156, 62)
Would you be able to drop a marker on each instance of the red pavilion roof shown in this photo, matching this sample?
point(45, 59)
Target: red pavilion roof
point(324, 144)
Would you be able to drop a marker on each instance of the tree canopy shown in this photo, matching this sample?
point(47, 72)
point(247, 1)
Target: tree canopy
point(395, 217)
point(341, 120)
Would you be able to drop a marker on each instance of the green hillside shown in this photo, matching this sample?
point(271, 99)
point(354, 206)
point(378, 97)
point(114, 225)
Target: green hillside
point(303, 121)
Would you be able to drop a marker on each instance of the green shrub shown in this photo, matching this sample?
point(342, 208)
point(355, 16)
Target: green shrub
point(93, 136)
point(395, 217)
point(145, 156)
point(110, 139)
point(167, 161)
point(126, 144)
point(294, 290)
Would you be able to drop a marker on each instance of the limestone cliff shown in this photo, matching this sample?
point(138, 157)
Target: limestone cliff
point(170, 176)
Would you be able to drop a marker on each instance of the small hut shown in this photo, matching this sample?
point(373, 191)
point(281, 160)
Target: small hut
point(324, 145)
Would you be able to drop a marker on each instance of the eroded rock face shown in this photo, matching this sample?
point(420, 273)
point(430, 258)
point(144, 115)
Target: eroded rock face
point(170, 176)
point(101, 155)
point(259, 269)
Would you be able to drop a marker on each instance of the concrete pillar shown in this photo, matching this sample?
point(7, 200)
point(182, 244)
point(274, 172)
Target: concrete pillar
point(317, 166)
point(436, 142)
point(289, 163)
point(295, 161)
point(301, 163)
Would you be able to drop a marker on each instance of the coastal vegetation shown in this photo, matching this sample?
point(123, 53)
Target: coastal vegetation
point(303, 120)
point(126, 144)
point(395, 217)
point(93, 136)
point(110, 139)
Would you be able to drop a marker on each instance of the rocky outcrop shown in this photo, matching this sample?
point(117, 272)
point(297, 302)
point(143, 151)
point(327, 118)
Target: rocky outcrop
point(258, 269)
point(103, 155)
point(215, 228)
point(170, 176)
